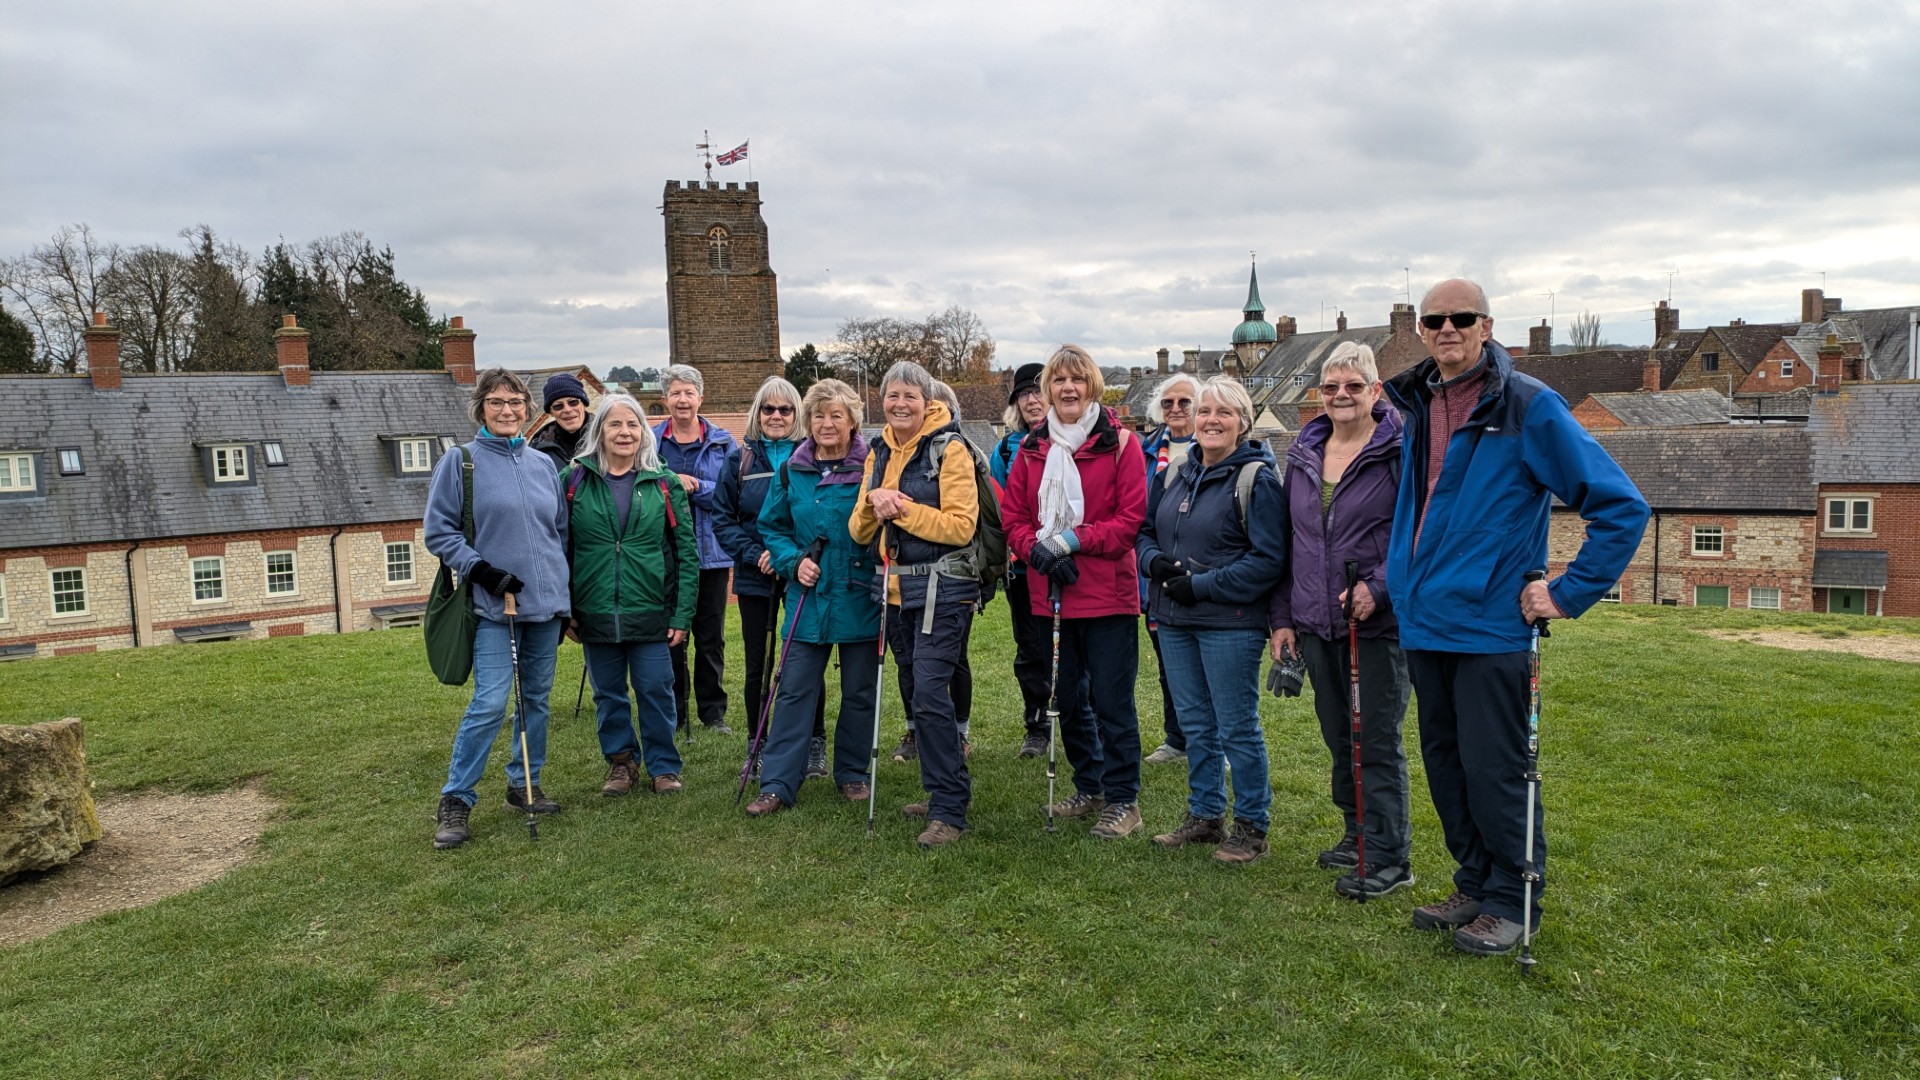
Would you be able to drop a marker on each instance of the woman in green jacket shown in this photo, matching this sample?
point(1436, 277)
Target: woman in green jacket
point(635, 577)
point(830, 600)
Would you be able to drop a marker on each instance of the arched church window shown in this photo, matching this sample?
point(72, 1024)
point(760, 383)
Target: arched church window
point(719, 257)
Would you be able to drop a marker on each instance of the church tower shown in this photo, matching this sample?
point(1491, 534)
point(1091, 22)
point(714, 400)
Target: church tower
point(723, 314)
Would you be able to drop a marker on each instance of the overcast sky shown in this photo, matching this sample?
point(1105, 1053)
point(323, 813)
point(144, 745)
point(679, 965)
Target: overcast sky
point(1087, 172)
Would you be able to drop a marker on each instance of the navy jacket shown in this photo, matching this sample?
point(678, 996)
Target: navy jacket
point(737, 498)
point(1459, 591)
point(1355, 526)
point(704, 461)
point(1192, 517)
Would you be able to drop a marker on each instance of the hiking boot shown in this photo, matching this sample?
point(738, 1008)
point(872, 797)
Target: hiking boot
point(816, 757)
point(908, 749)
point(939, 834)
point(1244, 845)
point(720, 727)
point(667, 783)
point(452, 822)
point(1380, 881)
point(1079, 804)
point(1165, 755)
point(1195, 830)
point(1117, 821)
point(856, 791)
point(1034, 746)
point(517, 800)
point(1450, 914)
point(1488, 935)
point(767, 803)
point(1344, 855)
point(913, 809)
point(622, 774)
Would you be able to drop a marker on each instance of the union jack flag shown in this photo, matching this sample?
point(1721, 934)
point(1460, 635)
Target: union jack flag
point(738, 153)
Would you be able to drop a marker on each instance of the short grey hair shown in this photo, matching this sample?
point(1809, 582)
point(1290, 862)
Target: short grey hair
point(1479, 295)
point(1227, 391)
point(906, 371)
point(1156, 414)
point(490, 380)
point(944, 394)
point(824, 395)
point(648, 459)
point(774, 388)
point(683, 373)
point(1351, 356)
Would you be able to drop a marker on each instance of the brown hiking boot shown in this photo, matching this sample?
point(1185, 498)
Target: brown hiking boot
point(622, 774)
point(1244, 845)
point(939, 834)
point(767, 803)
point(857, 791)
point(912, 809)
point(1079, 804)
point(1195, 830)
point(1450, 914)
point(667, 783)
point(1489, 935)
point(1117, 821)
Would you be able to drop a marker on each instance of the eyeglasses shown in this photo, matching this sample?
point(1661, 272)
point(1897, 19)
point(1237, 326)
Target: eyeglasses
point(1175, 403)
point(568, 403)
point(505, 403)
point(1460, 319)
point(776, 410)
point(1353, 389)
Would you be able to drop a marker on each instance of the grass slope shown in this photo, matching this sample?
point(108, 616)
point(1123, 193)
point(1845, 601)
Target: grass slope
point(1733, 894)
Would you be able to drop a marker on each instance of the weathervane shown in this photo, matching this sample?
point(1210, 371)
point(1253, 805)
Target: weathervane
point(705, 146)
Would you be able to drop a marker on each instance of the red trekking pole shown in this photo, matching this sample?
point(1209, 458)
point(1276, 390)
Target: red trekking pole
point(1353, 707)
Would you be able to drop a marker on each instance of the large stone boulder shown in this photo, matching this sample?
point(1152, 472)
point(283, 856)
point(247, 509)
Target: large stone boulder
point(46, 801)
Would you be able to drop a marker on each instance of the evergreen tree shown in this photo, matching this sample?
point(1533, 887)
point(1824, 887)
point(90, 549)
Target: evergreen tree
point(18, 355)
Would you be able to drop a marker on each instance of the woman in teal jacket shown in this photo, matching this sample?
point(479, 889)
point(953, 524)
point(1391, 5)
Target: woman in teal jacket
point(830, 600)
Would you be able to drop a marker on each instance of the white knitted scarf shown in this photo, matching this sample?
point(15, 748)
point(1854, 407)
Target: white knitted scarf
point(1063, 505)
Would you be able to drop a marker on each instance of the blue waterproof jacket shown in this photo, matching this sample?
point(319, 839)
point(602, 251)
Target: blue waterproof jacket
point(736, 510)
point(1459, 590)
point(1193, 518)
point(704, 461)
point(519, 525)
point(807, 501)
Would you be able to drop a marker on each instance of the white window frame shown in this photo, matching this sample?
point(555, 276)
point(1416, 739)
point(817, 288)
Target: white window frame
point(1849, 506)
point(273, 452)
point(217, 582)
point(416, 456)
point(18, 472)
point(72, 462)
point(1753, 590)
point(54, 590)
point(1786, 368)
point(1718, 533)
point(229, 464)
point(292, 573)
point(1613, 595)
point(411, 562)
point(3, 598)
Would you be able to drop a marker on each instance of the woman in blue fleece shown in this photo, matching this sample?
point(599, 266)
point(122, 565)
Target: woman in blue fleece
point(519, 546)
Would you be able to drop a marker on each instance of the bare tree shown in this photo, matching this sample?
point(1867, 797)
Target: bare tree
point(1586, 332)
point(952, 337)
point(149, 297)
point(55, 289)
point(865, 348)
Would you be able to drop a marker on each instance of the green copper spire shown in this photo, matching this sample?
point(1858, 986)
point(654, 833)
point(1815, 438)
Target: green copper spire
point(1256, 330)
point(1254, 309)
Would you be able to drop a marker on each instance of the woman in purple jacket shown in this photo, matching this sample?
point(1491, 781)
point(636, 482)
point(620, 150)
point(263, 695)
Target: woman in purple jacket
point(1342, 475)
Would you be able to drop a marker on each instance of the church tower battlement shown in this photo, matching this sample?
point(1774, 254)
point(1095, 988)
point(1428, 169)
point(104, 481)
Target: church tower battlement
point(723, 313)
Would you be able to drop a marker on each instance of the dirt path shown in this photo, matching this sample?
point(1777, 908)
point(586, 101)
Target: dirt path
point(156, 846)
point(1877, 646)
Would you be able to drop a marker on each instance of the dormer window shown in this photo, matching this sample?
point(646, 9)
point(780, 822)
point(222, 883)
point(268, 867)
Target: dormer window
point(719, 244)
point(230, 465)
point(416, 455)
point(16, 474)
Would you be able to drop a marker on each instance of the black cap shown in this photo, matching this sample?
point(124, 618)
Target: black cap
point(1025, 377)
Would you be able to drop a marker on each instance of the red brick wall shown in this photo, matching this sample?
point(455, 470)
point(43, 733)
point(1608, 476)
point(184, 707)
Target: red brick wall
point(1896, 531)
point(1594, 416)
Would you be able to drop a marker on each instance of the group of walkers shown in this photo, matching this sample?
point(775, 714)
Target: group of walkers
point(1399, 546)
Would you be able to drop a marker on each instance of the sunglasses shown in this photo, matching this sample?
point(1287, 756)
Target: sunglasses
point(567, 403)
point(776, 410)
point(1175, 403)
point(1460, 320)
point(1353, 389)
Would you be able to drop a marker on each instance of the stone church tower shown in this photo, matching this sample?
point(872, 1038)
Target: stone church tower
point(723, 315)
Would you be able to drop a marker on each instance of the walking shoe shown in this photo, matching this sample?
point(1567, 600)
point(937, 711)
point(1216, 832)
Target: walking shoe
point(913, 809)
point(451, 822)
point(1450, 914)
point(1195, 830)
point(1244, 845)
point(517, 800)
point(1380, 881)
point(766, 803)
point(719, 727)
point(1344, 855)
point(1034, 746)
point(1079, 804)
point(1488, 935)
point(857, 791)
point(908, 749)
point(939, 834)
point(667, 783)
point(622, 774)
point(1117, 821)
point(816, 757)
point(1165, 755)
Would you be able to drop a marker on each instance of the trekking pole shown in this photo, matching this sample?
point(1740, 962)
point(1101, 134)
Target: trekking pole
point(1353, 709)
point(1530, 876)
point(758, 741)
point(520, 714)
point(580, 698)
point(1053, 705)
point(879, 682)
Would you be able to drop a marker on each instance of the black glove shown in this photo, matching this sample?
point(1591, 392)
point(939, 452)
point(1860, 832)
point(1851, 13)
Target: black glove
point(493, 579)
point(1063, 570)
point(1042, 558)
point(1163, 569)
point(1180, 591)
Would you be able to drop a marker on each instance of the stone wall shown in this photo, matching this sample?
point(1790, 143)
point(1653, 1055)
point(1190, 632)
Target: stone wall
point(1759, 550)
point(722, 309)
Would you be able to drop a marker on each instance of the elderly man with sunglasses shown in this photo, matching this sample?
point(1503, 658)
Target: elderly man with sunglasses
point(1486, 449)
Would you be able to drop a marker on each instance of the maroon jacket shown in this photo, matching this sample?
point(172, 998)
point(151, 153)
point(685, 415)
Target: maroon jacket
point(1113, 475)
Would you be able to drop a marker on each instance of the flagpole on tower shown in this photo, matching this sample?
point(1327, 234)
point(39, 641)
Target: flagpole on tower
point(705, 146)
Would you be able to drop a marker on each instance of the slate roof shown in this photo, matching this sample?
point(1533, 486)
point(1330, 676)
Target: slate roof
point(1673, 351)
point(1272, 382)
point(1850, 569)
point(1867, 433)
point(1887, 336)
point(1728, 468)
point(145, 480)
point(1576, 376)
point(1794, 404)
point(1747, 344)
point(1668, 408)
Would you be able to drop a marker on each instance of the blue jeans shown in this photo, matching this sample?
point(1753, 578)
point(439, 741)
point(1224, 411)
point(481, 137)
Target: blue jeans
point(803, 686)
point(492, 702)
point(1215, 679)
point(650, 668)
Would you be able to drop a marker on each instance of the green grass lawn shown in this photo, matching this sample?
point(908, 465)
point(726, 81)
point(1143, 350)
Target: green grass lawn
point(1734, 893)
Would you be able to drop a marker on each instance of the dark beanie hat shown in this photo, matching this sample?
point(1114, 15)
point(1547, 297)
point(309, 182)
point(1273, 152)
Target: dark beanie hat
point(1026, 377)
point(562, 386)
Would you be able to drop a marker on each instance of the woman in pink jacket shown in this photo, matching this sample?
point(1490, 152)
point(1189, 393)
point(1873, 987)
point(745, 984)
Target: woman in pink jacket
point(1075, 500)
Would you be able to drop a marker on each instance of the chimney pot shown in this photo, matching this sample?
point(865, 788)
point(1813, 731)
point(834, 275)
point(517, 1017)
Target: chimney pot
point(289, 322)
point(1340, 323)
point(459, 322)
point(103, 353)
point(99, 318)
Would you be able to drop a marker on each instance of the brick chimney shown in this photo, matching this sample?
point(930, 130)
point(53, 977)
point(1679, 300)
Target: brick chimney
point(1830, 367)
point(1137, 373)
point(1401, 320)
point(1190, 361)
point(1284, 328)
point(1540, 339)
point(1853, 364)
point(1812, 305)
point(456, 351)
point(1162, 357)
point(1650, 367)
point(1829, 307)
point(1340, 323)
point(1666, 320)
point(103, 353)
point(290, 349)
point(1736, 322)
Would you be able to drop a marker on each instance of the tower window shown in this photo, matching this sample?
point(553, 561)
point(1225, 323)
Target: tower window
point(719, 244)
